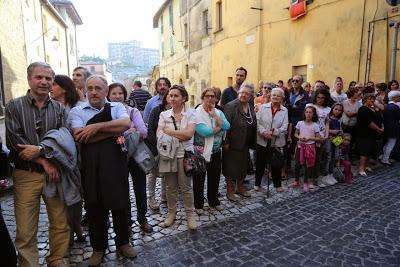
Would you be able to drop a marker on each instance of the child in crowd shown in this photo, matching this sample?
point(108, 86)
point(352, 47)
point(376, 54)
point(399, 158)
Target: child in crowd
point(307, 133)
point(335, 140)
point(345, 159)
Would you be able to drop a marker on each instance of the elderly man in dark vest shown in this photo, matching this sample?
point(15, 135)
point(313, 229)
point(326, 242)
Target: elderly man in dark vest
point(96, 125)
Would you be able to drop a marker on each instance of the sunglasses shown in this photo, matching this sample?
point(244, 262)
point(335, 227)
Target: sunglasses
point(295, 81)
point(266, 87)
point(210, 96)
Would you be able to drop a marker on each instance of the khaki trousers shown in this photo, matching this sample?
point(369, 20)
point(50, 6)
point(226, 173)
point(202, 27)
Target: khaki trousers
point(175, 180)
point(28, 188)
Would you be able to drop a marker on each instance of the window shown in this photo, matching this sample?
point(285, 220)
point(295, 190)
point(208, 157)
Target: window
point(45, 25)
point(300, 70)
point(185, 33)
point(48, 59)
point(162, 24)
point(171, 45)
point(230, 81)
point(162, 50)
point(219, 15)
point(71, 44)
point(171, 16)
point(205, 22)
point(187, 71)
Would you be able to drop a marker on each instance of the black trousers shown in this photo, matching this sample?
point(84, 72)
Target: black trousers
point(98, 230)
point(213, 177)
point(139, 187)
point(263, 155)
point(7, 251)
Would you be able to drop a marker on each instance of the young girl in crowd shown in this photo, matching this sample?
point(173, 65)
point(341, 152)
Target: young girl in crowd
point(307, 133)
point(345, 159)
point(335, 130)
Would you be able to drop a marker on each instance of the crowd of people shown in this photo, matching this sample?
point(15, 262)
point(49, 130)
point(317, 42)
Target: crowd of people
point(69, 140)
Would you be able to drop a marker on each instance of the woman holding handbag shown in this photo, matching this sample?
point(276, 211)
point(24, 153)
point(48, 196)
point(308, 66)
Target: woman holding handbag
point(211, 126)
point(175, 132)
point(118, 93)
point(272, 125)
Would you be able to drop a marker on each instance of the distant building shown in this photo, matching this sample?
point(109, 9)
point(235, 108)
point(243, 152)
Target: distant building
point(128, 59)
point(98, 68)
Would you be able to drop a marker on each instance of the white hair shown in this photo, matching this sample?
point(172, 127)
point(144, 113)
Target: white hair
point(279, 91)
point(97, 76)
point(247, 85)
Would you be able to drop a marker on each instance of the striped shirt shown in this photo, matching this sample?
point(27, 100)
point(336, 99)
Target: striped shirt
point(26, 124)
point(140, 96)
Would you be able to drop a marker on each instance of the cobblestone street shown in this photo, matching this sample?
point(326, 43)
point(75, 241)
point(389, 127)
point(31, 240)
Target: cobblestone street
point(343, 225)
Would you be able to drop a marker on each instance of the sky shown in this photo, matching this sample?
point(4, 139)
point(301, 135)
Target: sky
point(115, 21)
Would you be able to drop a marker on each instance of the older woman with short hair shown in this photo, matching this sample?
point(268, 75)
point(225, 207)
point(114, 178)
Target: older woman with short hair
point(369, 128)
point(240, 137)
point(211, 126)
point(272, 125)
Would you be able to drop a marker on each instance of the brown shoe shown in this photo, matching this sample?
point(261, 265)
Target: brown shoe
point(127, 251)
point(230, 190)
point(146, 227)
point(241, 189)
point(96, 258)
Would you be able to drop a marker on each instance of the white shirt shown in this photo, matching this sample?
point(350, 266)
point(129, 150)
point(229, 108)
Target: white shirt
point(338, 98)
point(188, 116)
point(323, 116)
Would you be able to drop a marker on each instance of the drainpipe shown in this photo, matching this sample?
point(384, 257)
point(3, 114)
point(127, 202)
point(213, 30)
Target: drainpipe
point(260, 44)
point(371, 28)
point(394, 49)
point(66, 48)
point(43, 33)
point(361, 42)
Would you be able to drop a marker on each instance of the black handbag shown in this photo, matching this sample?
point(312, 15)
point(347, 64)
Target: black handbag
point(194, 164)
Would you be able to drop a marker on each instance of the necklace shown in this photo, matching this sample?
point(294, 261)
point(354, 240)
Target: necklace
point(249, 118)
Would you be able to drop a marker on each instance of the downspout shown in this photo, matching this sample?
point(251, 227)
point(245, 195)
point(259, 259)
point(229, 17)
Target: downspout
point(260, 43)
point(371, 30)
point(43, 33)
point(361, 42)
point(66, 47)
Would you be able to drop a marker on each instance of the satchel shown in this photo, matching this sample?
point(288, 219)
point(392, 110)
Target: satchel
point(194, 164)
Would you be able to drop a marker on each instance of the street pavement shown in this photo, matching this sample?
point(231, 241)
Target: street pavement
point(342, 225)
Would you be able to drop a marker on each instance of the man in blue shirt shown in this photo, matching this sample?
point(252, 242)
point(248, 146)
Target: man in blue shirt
point(162, 85)
point(96, 125)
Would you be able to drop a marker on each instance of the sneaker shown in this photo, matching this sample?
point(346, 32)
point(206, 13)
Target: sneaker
point(368, 169)
point(387, 163)
point(294, 184)
point(169, 220)
point(321, 183)
point(311, 186)
point(96, 258)
point(257, 188)
point(326, 180)
point(306, 187)
point(153, 204)
point(199, 211)
point(331, 179)
point(127, 251)
point(191, 223)
point(280, 189)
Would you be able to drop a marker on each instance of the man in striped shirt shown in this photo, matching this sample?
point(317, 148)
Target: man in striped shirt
point(139, 97)
point(28, 119)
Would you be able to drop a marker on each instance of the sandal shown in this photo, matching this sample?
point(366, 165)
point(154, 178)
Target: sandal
point(364, 174)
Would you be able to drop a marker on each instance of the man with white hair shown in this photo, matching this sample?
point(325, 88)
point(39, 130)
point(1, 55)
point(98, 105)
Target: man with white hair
point(391, 118)
point(96, 125)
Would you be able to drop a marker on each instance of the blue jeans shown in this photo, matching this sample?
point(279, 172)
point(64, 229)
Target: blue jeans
point(139, 187)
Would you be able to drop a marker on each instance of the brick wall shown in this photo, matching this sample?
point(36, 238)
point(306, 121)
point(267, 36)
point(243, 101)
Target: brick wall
point(12, 44)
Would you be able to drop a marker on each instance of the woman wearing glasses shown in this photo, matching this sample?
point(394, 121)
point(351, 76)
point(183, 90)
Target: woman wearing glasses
point(175, 132)
point(240, 137)
point(211, 126)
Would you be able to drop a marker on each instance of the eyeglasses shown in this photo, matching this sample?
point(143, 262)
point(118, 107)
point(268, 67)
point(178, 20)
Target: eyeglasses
point(179, 86)
point(266, 87)
point(210, 96)
point(295, 81)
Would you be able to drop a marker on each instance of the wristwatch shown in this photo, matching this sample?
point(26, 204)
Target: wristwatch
point(41, 150)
